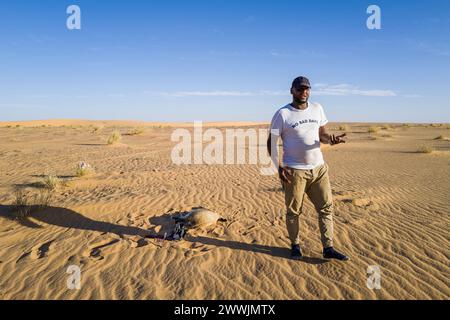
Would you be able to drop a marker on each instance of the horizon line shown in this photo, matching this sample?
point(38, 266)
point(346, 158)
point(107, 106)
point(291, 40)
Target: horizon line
point(64, 121)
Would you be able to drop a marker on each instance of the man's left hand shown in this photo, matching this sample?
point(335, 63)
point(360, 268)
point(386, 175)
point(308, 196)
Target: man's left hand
point(337, 139)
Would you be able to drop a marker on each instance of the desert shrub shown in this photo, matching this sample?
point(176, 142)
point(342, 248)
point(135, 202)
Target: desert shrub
point(424, 149)
point(83, 169)
point(136, 131)
point(115, 137)
point(25, 203)
point(43, 199)
point(50, 182)
point(96, 129)
point(21, 205)
point(373, 129)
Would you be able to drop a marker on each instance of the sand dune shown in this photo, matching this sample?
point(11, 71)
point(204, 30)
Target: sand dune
point(392, 210)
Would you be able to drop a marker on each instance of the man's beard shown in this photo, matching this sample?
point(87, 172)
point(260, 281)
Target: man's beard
point(300, 101)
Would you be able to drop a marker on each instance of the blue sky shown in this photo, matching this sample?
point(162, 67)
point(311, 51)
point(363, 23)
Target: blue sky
point(223, 60)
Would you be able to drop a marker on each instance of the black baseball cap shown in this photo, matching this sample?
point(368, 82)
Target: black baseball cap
point(301, 82)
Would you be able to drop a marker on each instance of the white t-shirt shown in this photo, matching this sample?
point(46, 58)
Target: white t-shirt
point(299, 131)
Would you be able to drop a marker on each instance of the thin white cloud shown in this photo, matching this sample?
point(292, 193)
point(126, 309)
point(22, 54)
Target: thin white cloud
point(412, 96)
point(296, 54)
point(440, 49)
point(318, 90)
point(226, 53)
point(216, 93)
point(437, 49)
point(279, 54)
point(349, 90)
point(117, 95)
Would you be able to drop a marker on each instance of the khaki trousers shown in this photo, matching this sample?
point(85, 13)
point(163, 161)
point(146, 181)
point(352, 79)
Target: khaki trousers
point(316, 184)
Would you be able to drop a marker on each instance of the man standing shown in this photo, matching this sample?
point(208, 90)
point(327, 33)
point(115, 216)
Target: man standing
point(301, 127)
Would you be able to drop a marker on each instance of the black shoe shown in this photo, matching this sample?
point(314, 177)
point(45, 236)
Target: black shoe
point(296, 253)
point(330, 253)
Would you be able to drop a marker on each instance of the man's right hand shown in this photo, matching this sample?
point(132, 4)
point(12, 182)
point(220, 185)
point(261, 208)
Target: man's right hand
point(285, 174)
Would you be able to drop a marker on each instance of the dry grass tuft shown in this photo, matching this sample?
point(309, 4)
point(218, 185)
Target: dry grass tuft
point(83, 169)
point(21, 204)
point(24, 203)
point(43, 199)
point(373, 129)
point(51, 182)
point(136, 131)
point(424, 149)
point(115, 137)
point(96, 129)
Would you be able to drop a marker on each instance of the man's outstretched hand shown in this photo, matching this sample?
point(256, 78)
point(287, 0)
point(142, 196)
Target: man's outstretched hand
point(285, 174)
point(337, 139)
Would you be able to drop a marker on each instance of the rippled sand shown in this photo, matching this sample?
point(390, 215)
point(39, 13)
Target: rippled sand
point(392, 210)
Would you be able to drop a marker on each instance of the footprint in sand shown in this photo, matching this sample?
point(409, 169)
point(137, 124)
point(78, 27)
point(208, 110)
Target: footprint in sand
point(194, 249)
point(37, 252)
point(139, 243)
point(95, 251)
point(76, 260)
point(41, 251)
point(218, 231)
point(195, 253)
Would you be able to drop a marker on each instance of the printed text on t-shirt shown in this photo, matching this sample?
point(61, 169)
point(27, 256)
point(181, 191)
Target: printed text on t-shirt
point(302, 122)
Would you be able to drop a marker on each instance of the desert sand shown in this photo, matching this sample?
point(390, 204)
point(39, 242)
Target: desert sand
point(391, 210)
